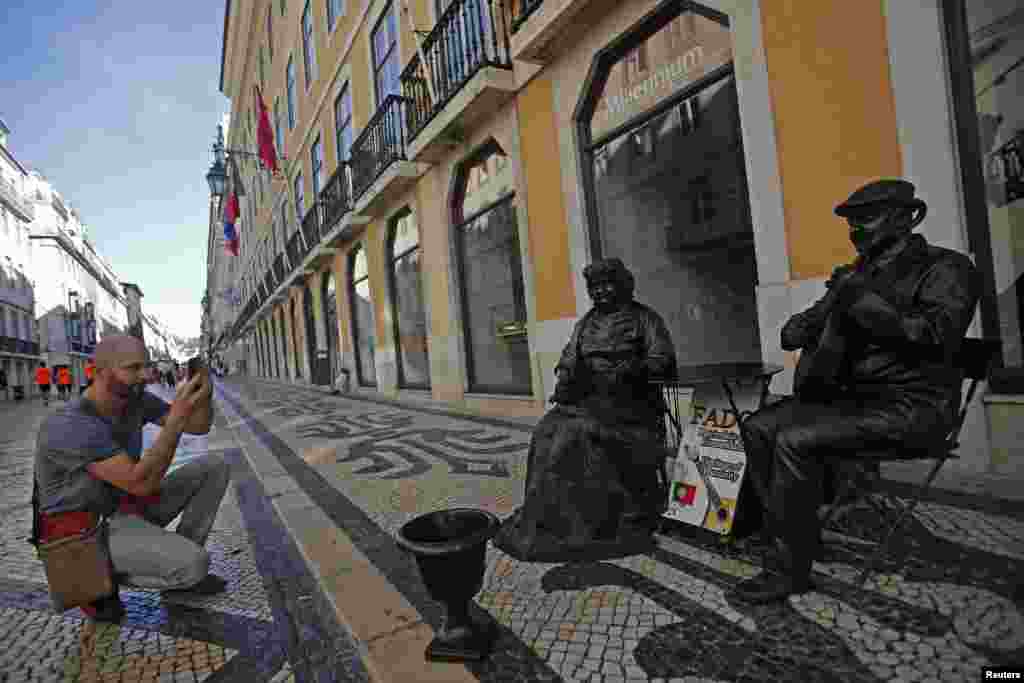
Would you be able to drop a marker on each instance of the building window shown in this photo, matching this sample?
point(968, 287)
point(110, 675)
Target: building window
point(385, 56)
point(987, 77)
point(296, 347)
point(316, 155)
point(270, 32)
point(665, 182)
point(408, 311)
point(343, 123)
point(493, 299)
point(263, 70)
point(300, 199)
point(329, 301)
point(290, 88)
point(334, 10)
point(308, 45)
point(278, 133)
point(283, 7)
point(363, 320)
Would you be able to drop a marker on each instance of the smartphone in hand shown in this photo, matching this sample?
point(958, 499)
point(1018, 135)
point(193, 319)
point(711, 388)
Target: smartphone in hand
point(194, 365)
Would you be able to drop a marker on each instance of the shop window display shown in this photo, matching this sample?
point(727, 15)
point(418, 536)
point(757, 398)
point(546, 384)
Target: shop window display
point(363, 321)
point(491, 274)
point(330, 316)
point(667, 186)
point(409, 314)
point(987, 59)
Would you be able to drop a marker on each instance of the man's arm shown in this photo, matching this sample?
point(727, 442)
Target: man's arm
point(143, 477)
point(201, 419)
point(938, 320)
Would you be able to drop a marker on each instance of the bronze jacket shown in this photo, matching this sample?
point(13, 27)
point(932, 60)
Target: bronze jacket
point(903, 328)
point(610, 359)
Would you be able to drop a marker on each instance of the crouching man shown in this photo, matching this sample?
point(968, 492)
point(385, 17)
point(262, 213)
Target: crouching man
point(89, 462)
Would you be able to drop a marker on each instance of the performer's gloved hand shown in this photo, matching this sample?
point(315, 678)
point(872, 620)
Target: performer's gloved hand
point(839, 274)
point(632, 371)
point(851, 289)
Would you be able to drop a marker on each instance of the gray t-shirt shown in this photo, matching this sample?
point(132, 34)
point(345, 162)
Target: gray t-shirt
point(72, 438)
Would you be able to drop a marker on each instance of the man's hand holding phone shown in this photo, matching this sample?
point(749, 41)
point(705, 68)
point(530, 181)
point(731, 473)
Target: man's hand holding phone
point(188, 395)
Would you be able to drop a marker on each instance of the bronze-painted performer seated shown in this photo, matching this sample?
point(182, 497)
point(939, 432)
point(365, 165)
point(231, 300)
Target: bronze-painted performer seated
point(592, 483)
point(875, 372)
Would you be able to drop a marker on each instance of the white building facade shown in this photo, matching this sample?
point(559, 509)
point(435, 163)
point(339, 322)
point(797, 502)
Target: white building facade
point(80, 299)
point(19, 347)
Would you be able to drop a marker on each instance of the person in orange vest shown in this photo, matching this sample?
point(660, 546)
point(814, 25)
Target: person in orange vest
point(90, 372)
point(43, 382)
point(64, 383)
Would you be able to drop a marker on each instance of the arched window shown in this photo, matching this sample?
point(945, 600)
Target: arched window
point(493, 299)
point(408, 312)
point(665, 182)
point(296, 348)
point(309, 332)
point(329, 301)
point(274, 345)
point(363, 321)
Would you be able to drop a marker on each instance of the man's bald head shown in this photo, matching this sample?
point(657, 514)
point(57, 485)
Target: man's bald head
point(111, 352)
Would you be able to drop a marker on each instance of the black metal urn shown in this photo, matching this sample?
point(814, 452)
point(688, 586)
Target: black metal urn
point(450, 550)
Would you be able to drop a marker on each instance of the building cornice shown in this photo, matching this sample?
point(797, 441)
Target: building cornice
point(69, 246)
point(224, 43)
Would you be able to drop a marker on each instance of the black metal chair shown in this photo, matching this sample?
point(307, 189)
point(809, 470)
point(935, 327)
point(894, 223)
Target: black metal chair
point(975, 357)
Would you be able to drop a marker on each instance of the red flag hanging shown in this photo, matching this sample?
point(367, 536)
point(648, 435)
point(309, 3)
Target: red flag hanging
point(265, 135)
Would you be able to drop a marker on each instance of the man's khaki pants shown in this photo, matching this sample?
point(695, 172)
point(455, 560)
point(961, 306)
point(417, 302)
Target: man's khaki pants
point(145, 554)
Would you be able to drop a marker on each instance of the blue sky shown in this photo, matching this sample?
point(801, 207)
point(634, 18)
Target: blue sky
point(117, 104)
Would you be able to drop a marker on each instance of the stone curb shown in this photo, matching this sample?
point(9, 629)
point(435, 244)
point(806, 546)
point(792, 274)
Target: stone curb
point(390, 632)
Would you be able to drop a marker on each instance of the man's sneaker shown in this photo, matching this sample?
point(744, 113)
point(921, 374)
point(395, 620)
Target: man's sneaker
point(109, 609)
point(210, 585)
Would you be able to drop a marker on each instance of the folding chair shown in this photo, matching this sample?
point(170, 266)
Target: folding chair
point(975, 358)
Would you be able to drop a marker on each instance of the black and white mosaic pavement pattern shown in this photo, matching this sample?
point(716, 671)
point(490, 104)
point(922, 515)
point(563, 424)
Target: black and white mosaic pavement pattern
point(941, 605)
point(267, 626)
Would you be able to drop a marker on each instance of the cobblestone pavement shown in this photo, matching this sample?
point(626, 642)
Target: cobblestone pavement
point(941, 607)
point(266, 626)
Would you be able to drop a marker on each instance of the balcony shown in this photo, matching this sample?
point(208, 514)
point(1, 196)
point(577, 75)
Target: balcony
point(279, 271)
point(380, 169)
point(537, 25)
point(469, 71)
point(10, 196)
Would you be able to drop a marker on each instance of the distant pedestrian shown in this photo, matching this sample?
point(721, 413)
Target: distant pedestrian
point(64, 383)
point(90, 373)
point(43, 382)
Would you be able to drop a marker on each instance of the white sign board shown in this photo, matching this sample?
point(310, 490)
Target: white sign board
point(708, 471)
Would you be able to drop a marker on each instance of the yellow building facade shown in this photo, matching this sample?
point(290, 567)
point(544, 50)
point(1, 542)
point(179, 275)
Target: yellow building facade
point(452, 166)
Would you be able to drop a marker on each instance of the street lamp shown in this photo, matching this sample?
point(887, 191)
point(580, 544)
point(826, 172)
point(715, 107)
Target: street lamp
point(217, 176)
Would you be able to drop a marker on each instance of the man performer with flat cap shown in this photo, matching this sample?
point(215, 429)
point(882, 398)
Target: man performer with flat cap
point(89, 462)
point(879, 373)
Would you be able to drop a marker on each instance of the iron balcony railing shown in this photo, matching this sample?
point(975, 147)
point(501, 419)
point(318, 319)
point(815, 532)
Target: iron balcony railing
point(311, 227)
point(279, 272)
point(379, 145)
point(295, 249)
point(10, 196)
point(336, 197)
point(269, 282)
point(470, 34)
point(518, 11)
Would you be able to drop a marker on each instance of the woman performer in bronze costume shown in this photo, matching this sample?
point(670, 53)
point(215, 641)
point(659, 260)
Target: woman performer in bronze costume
point(592, 483)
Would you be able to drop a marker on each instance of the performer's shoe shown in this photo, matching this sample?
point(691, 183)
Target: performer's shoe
point(771, 587)
point(109, 609)
point(211, 584)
